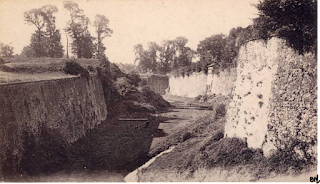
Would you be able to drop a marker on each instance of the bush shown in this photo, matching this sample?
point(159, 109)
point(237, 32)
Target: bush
point(220, 111)
point(186, 136)
point(125, 89)
point(74, 68)
point(134, 79)
point(2, 61)
point(293, 20)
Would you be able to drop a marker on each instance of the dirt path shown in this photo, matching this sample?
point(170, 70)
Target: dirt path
point(100, 155)
point(181, 114)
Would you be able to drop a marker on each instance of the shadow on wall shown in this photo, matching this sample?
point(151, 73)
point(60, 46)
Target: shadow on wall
point(117, 145)
point(158, 83)
point(33, 114)
point(114, 145)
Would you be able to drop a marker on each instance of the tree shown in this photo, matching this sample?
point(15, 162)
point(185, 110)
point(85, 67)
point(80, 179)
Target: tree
point(55, 48)
point(293, 20)
point(6, 50)
point(184, 54)
point(170, 55)
point(28, 52)
point(45, 43)
point(211, 50)
point(77, 28)
point(35, 17)
point(101, 24)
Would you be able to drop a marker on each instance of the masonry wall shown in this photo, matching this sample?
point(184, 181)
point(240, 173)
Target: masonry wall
point(70, 107)
point(274, 101)
point(201, 84)
point(158, 83)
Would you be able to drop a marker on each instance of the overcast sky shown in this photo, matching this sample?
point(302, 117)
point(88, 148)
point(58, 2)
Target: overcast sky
point(134, 21)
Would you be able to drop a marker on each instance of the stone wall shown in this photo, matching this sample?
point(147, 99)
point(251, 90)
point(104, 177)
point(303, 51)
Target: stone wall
point(274, 101)
point(70, 107)
point(221, 83)
point(158, 83)
point(201, 84)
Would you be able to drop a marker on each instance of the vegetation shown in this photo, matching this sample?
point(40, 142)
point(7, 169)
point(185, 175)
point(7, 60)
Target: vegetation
point(83, 45)
point(46, 41)
point(174, 56)
point(74, 68)
point(77, 28)
point(28, 52)
point(201, 151)
point(101, 24)
point(6, 50)
point(293, 20)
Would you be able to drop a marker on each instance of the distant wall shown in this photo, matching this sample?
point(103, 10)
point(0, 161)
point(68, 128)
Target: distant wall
point(199, 83)
point(188, 86)
point(69, 106)
point(274, 102)
point(158, 83)
point(222, 82)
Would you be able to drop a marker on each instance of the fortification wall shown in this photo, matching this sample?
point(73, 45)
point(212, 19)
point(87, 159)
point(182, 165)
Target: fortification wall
point(222, 82)
point(70, 107)
point(158, 83)
point(201, 84)
point(274, 101)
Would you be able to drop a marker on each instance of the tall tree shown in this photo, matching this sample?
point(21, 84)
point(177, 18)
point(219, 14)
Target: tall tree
point(211, 50)
point(185, 54)
point(45, 42)
point(35, 17)
point(77, 28)
point(293, 20)
point(55, 48)
point(6, 50)
point(27, 51)
point(101, 24)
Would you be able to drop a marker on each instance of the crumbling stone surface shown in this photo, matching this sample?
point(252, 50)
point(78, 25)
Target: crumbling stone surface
point(69, 107)
point(199, 83)
point(274, 100)
point(293, 104)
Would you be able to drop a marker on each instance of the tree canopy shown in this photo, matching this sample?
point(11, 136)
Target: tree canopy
point(293, 20)
point(6, 50)
point(44, 42)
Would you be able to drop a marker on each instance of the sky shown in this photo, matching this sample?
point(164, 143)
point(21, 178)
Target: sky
point(134, 21)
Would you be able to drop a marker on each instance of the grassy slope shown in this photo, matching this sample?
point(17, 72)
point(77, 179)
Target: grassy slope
point(202, 154)
point(34, 69)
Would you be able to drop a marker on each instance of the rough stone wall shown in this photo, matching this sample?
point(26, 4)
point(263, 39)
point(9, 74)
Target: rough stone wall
point(158, 83)
point(274, 100)
point(201, 84)
point(68, 106)
point(221, 83)
point(188, 86)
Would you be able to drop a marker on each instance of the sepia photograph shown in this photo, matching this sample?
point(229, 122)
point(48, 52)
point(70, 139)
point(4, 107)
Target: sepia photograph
point(158, 91)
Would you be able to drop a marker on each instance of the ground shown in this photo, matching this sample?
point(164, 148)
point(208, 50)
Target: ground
point(34, 69)
point(115, 148)
point(191, 127)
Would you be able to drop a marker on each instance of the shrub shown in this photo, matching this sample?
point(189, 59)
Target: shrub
point(221, 111)
point(186, 136)
point(134, 79)
point(74, 68)
point(125, 89)
point(293, 20)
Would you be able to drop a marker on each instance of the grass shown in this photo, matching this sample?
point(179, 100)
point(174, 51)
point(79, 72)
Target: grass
point(202, 153)
point(34, 69)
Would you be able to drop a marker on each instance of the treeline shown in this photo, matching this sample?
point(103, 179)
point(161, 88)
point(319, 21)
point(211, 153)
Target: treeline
point(6, 50)
point(175, 56)
point(295, 21)
point(46, 41)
